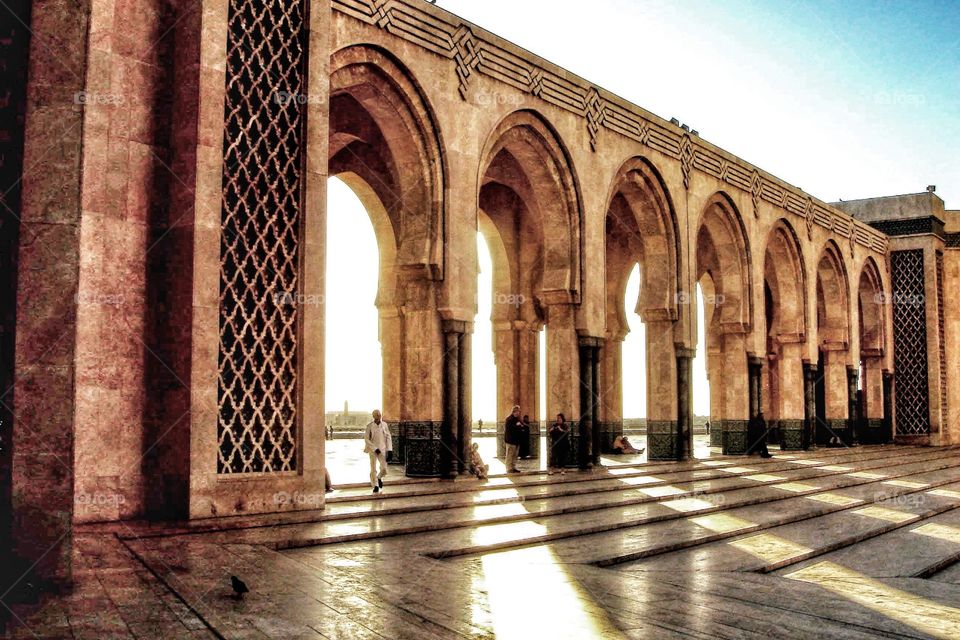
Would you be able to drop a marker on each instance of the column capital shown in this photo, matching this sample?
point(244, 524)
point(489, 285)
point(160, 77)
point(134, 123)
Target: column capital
point(589, 341)
point(686, 352)
point(457, 326)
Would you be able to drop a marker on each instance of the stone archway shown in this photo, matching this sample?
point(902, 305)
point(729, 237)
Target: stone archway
point(785, 321)
point(530, 214)
point(833, 340)
point(385, 146)
point(723, 263)
point(640, 228)
point(871, 316)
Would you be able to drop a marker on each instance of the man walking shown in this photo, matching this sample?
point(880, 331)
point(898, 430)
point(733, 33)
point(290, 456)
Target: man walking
point(511, 437)
point(377, 442)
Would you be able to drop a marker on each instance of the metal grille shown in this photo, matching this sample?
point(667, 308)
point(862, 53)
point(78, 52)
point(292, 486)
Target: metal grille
point(944, 400)
point(260, 235)
point(910, 343)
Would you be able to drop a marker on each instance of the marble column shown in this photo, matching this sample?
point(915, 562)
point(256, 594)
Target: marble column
point(888, 392)
point(790, 410)
point(874, 398)
point(853, 411)
point(715, 376)
point(662, 429)
point(391, 330)
point(685, 403)
point(563, 368)
point(611, 392)
point(735, 411)
point(589, 397)
point(449, 467)
point(836, 387)
point(465, 400)
point(809, 405)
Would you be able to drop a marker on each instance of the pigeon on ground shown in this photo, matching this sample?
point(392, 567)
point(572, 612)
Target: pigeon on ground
point(239, 587)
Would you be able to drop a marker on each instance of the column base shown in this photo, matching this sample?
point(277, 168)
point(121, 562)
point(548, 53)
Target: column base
point(834, 427)
point(716, 434)
point(608, 433)
point(396, 434)
point(501, 444)
point(875, 432)
point(735, 441)
point(791, 435)
point(662, 440)
point(422, 449)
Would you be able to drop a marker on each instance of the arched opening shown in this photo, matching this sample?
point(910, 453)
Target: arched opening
point(870, 401)
point(385, 147)
point(784, 277)
point(529, 215)
point(641, 266)
point(834, 393)
point(723, 273)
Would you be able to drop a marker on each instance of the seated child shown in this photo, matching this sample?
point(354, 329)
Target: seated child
point(477, 467)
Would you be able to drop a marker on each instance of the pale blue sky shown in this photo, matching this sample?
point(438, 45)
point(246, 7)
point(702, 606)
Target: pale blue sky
point(844, 99)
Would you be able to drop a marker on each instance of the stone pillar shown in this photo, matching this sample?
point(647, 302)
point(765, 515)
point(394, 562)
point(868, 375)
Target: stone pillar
point(809, 405)
point(391, 330)
point(874, 400)
point(465, 400)
point(563, 368)
point(755, 369)
point(611, 392)
point(791, 388)
point(715, 376)
point(662, 429)
point(888, 391)
point(685, 403)
point(589, 397)
point(836, 387)
point(423, 383)
point(735, 410)
point(851, 437)
point(517, 356)
point(449, 466)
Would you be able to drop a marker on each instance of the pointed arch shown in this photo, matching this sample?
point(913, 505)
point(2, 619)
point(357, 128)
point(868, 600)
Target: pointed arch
point(641, 227)
point(833, 298)
point(529, 188)
point(383, 130)
point(871, 312)
point(785, 275)
point(723, 252)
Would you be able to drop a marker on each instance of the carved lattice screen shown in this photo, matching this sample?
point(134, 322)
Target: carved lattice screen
point(910, 343)
point(260, 236)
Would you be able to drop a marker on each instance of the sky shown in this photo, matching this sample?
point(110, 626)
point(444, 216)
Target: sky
point(844, 99)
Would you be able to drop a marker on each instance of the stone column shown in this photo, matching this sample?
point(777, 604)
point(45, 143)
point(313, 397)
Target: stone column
point(589, 397)
point(809, 405)
point(563, 369)
point(391, 330)
point(465, 400)
point(611, 392)
point(662, 429)
point(888, 392)
point(715, 376)
point(735, 410)
point(755, 369)
point(853, 411)
point(791, 414)
point(423, 378)
point(449, 465)
point(685, 403)
point(836, 386)
point(874, 399)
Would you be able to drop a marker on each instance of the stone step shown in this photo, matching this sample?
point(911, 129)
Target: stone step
point(618, 526)
point(542, 501)
point(784, 548)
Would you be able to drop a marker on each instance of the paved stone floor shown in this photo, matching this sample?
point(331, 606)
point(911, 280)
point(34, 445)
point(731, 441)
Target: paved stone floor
point(837, 543)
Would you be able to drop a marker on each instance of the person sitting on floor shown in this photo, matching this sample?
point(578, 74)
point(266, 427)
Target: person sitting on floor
point(477, 467)
point(622, 446)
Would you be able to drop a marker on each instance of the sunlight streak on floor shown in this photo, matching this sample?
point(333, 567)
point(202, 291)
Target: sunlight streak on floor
point(924, 615)
point(939, 531)
point(769, 548)
point(721, 523)
point(834, 498)
point(882, 513)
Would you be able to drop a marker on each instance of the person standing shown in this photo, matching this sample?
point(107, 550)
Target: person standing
point(757, 436)
point(559, 445)
point(377, 443)
point(511, 437)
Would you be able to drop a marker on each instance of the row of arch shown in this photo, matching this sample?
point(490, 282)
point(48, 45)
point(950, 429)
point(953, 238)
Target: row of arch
point(385, 143)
